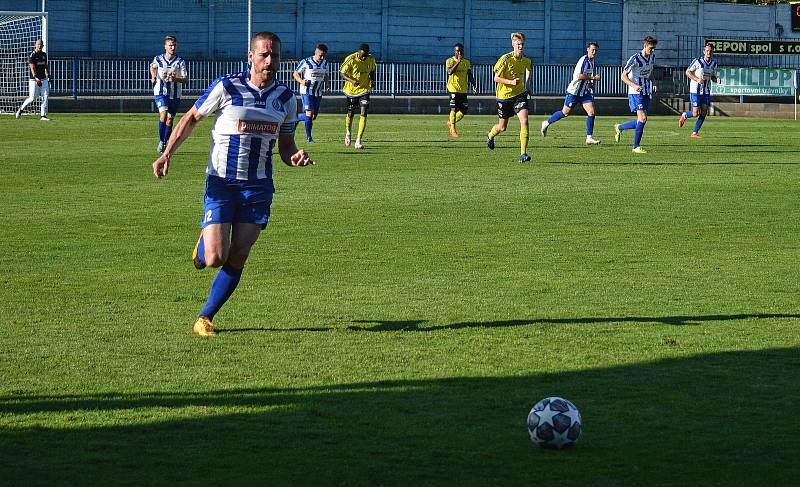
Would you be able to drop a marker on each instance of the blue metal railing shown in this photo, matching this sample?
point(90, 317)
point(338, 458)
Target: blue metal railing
point(78, 77)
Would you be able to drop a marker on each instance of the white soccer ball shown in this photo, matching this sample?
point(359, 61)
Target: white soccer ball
point(554, 422)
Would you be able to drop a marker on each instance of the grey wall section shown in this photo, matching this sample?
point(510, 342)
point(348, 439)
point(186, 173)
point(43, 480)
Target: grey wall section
point(397, 30)
point(667, 20)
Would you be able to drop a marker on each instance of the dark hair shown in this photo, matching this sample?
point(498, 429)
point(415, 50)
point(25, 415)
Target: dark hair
point(592, 43)
point(709, 44)
point(458, 44)
point(264, 36)
point(364, 47)
point(650, 40)
point(322, 47)
point(170, 38)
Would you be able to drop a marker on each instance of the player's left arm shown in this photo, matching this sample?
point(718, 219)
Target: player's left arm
point(471, 79)
point(290, 154)
point(184, 77)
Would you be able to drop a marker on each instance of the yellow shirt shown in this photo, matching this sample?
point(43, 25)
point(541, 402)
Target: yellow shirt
point(509, 67)
point(359, 69)
point(457, 82)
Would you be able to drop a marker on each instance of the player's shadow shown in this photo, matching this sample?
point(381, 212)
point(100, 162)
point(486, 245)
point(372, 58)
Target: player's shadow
point(698, 412)
point(677, 320)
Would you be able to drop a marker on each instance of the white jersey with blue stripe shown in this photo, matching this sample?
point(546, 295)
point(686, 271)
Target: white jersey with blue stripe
point(581, 87)
point(177, 65)
point(309, 69)
point(247, 125)
point(640, 70)
point(702, 69)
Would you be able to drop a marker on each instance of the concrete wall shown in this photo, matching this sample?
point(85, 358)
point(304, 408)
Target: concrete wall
point(398, 30)
point(668, 20)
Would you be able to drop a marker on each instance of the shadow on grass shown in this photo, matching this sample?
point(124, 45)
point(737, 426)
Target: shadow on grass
point(415, 325)
point(715, 419)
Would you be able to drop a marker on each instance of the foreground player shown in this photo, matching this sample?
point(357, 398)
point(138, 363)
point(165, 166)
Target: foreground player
point(511, 73)
point(459, 78)
point(580, 90)
point(702, 71)
point(39, 84)
point(358, 71)
point(167, 74)
point(311, 73)
point(253, 110)
point(636, 74)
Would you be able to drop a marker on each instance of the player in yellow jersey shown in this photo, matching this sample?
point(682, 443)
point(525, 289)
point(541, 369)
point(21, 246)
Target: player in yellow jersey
point(459, 78)
point(511, 73)
point(358, 71)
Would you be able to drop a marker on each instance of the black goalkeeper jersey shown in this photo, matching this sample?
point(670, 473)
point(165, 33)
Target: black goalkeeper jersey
point(39, 61)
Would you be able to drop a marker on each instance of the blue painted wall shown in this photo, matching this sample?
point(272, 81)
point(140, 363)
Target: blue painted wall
point(397, 30)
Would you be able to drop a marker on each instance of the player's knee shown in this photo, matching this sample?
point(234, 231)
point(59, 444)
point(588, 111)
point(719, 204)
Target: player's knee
point(238, 259)
point(215, 259)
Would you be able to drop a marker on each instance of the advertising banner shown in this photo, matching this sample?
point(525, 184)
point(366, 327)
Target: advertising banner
point(753, 47)
point(755, 82)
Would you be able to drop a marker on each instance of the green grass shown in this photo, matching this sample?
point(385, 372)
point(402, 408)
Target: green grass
point(406, 307)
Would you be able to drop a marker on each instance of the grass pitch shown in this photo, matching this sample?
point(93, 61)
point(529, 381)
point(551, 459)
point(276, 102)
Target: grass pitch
point(406, 307)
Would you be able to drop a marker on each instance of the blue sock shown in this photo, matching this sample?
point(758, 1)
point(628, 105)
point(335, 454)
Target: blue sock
point(555, 117)
point(687, 115)
point(303, 117)
point(161, 126)
point(637, 137)
point(630, 124)
point(590, 125)
point(309, 123)
point(201, 250)
point(699, 123)
point(221, 289)
point(167, 132)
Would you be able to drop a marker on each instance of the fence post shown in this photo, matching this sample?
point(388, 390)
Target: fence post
point(394, 78)
point(75, 78)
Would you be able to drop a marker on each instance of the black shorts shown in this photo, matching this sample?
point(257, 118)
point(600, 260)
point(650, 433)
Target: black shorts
point(357, 102)
point(508, 108)
point(458, 102)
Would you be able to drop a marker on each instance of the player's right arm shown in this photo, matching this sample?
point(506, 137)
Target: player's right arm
point(451, 67)
point(500, 73)
point(345, 70)
point(181, 132)
point(625, 76)
point(690, 72)
point(153, 74)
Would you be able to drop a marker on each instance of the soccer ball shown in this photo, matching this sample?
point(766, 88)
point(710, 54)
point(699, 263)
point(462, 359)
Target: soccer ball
point(554, 422)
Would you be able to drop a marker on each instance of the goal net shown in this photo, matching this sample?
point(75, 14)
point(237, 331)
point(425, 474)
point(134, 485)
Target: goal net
point(18, 34)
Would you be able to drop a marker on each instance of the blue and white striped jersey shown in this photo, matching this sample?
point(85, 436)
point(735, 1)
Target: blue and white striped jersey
point(702, 69)
point(640, 69)
point(316, 72)
point(581, 87)
point(247, 125)
point(177, 65)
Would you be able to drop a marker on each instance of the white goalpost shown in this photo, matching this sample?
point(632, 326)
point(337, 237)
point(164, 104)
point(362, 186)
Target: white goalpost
point(18, 33)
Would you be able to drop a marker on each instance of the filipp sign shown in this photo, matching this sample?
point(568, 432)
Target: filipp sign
point(756, 81)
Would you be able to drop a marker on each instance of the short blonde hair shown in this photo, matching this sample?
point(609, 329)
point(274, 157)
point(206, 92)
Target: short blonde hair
point(517, 36)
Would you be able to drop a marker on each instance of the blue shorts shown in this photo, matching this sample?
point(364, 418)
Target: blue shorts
point(169, 105)
point(311, 103)
point(572, 100)
point(700, 100)
point(233, 201)
point(638, 102)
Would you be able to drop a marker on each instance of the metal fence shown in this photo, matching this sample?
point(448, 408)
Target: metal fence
point(79, 77)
